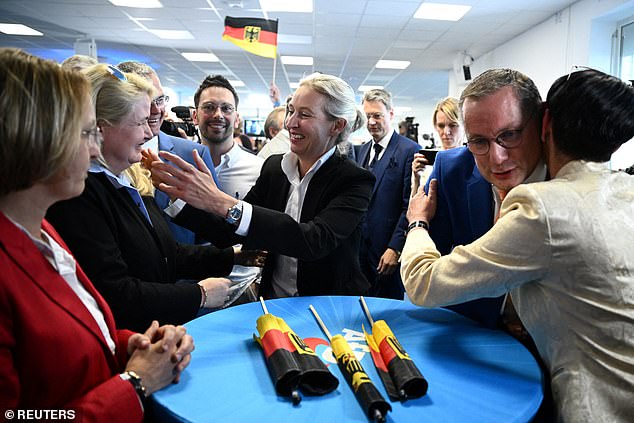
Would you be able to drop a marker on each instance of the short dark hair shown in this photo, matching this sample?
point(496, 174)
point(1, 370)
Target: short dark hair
point(215, 81)
point(592, 114)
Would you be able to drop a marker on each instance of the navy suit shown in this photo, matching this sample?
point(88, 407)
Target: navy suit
point(464, 214)
point(385, 223)
point(182, 148)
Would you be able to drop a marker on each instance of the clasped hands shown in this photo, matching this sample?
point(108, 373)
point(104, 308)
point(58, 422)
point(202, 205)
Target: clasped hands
point(159, 355)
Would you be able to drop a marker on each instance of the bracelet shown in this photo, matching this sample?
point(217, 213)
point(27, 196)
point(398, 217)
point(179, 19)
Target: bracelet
point(417, 224)
point(203, 294)
point(136, 381)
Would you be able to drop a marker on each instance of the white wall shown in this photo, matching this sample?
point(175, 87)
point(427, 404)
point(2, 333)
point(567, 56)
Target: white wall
point(578, 35)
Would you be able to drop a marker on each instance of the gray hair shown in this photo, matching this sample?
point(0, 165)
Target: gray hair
point(137, 68)
point(494, 80)
point(379, 95)
point(78, 62)
point(340, 102)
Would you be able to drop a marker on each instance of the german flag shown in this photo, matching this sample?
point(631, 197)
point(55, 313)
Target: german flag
point(255, 35)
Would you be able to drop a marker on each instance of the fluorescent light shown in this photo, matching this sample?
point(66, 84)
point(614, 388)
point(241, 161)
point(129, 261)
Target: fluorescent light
point(236, 83)
point(392, 64)
point(200, 57)
point(294, 39)
point(364, 88)
point(169, 34)
point(305, 6)
point(297, 60)
point(18, 29)
point(441, 12)
point(143, 4)
point(293, 85)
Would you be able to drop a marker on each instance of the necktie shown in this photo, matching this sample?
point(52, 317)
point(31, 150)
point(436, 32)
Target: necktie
point(377, 150)
point(510, 320)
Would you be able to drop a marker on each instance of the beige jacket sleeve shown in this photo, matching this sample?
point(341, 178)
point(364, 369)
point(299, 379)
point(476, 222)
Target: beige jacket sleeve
point(515, 251)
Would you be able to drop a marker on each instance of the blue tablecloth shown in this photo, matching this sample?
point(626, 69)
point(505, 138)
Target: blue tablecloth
point(474, 374)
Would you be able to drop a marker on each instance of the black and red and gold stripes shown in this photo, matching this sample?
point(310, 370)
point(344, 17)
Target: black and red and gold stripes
point(255, 35)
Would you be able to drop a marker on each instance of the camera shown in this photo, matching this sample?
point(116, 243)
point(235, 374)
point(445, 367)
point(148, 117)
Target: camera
point(412, 129)
point(187, 124)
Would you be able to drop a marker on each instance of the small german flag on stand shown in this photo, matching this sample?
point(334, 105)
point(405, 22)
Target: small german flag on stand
point(255, 35)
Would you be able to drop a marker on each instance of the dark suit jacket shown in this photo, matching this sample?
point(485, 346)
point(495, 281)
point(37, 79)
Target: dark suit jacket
point(464, 213)
point(326, 240)
point(134, 264)
point(385, 223)
point(182, 148)
point(52, 353)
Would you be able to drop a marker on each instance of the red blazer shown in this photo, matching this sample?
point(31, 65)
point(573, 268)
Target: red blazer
point(52, 353)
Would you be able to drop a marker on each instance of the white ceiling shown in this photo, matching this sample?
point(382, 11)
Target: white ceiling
point(345, 37)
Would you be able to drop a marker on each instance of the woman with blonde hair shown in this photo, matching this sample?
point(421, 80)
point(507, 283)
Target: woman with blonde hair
point(447, 120)
point(60, 354)
point(306, 207)
point(120, 237)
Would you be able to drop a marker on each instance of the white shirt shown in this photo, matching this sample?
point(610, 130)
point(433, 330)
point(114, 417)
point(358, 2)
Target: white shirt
point(280, 144)
point(383, 142)
point(65, 265)
point(238, 170)
point(284, 279)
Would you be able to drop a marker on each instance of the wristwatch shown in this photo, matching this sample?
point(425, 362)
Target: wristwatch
point(417, 224)
point(136, 382)
point(234, 214)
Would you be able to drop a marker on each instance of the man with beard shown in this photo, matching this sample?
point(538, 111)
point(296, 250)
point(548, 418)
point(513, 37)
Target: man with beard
point(164, 142)
point(216, 115)
point(237, 169)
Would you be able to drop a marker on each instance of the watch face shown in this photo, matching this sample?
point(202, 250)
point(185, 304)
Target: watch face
point(234, 214)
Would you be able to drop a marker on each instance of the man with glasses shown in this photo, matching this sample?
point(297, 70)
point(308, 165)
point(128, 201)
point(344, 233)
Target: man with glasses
point(389, 157)
point(216, 114)
point(164, 142)
point(502, 111)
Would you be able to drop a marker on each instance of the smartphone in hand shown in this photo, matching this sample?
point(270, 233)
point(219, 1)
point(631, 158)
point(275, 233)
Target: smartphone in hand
point(429, 154)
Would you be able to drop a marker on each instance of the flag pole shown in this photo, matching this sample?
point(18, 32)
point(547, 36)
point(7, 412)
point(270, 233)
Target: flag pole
point(275, 58)
point(274, 66)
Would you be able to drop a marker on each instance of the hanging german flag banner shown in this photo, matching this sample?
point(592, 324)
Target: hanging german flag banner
point(255, 35)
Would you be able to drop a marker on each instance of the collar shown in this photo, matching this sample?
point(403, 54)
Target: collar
point(153, 144)
point(231, 157)
point(383, 142)
point(290, 165)
point(120, 181)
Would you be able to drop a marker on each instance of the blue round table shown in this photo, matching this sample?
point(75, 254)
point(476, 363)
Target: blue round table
point(474, 374)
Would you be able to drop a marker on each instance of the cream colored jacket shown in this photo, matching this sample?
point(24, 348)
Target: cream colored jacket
point(565, 250)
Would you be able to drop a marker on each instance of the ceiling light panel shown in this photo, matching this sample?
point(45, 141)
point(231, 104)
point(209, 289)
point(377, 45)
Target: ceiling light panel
point(441, 12)
point(200, 57)
point(294, 6)
point(18, 29)
point(297, 60)
point(142, 4)
point(392, 64)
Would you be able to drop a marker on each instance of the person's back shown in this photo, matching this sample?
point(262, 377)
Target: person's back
point(584, 301)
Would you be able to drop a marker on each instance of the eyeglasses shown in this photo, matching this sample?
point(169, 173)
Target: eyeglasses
point(210, 108)
point(375, 116)
point(92, 135)
point(508, 139)
point(116, 72)
point(161, 100)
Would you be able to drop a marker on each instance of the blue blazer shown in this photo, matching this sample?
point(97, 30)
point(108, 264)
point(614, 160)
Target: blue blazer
point(464, 213)
point(182, 148)
point(385, 223)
